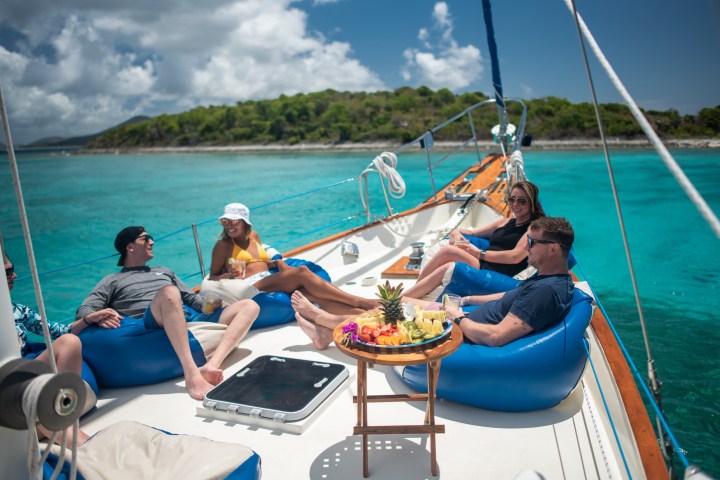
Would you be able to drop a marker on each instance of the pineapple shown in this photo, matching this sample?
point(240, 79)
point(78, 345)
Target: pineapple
point(391, 300)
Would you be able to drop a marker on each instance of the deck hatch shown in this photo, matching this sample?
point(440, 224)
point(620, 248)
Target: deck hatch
point(279, 388)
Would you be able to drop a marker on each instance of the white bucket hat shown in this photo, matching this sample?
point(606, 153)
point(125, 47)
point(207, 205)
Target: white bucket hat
point(236, 211)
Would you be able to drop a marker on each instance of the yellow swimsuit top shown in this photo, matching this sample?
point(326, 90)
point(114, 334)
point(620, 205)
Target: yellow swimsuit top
point(242, 254)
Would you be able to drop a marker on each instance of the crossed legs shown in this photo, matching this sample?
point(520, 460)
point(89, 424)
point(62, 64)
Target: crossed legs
point(324, 293)
point(317, 324)
point(447, 254)
point(429, 283)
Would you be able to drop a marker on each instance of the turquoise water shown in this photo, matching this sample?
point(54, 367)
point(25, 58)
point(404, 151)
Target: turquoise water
point(77, 204)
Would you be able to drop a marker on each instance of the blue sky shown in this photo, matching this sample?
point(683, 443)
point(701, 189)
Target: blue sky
point(77, 67)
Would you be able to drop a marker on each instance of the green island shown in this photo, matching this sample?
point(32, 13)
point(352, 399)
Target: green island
point(399, 116)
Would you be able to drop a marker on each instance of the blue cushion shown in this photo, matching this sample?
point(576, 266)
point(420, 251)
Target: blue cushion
point(275, 307)
point(534, 372)
point(467, 280)
point(479, 242)
point(132, 355)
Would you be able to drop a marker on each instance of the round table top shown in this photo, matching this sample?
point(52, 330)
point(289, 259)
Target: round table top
point(428, 355)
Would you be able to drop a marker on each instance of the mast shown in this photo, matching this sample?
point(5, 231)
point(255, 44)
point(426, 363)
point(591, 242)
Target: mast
point(497, 81)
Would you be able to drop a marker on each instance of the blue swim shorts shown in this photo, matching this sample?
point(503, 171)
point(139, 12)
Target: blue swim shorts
point(191, 315)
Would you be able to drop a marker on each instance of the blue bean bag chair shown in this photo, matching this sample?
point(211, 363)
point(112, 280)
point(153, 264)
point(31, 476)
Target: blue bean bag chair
point(535, 372)
point(467, 280)
point(132, 355)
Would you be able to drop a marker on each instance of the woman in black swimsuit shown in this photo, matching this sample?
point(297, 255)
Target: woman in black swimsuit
point(506, 253)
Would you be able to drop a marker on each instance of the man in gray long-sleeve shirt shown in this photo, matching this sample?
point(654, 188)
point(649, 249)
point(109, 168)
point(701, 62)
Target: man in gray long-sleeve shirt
point(162, 300)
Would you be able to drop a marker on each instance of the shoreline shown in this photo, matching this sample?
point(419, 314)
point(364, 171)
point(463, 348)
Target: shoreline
point(576, 144)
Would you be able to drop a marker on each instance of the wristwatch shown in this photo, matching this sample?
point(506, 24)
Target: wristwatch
point(459, 319)
point(482, 255)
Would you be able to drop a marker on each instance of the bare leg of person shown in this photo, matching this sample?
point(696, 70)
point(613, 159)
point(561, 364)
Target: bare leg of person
point(306, 309)
point(68, 354)
point(238, 317)
point(167, 309)
point(68, 358)
point(321, 337)
point(332, 306)
point(448, 254)
point(302, 278)
point(428, 284)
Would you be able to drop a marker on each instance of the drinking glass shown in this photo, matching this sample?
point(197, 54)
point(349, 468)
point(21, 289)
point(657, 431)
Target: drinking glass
point(453, 300)
point(211, 302)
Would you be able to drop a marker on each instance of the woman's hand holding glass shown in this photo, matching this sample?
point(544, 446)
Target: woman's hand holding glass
point(456, 237)
point(236, 268)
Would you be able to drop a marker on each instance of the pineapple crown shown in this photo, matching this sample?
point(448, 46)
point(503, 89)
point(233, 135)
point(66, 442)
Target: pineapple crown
point(388, 292)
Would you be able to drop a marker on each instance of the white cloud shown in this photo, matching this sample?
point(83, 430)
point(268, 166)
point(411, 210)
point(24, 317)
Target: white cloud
point(84, 66)
point(527, 91)
point(445, 65)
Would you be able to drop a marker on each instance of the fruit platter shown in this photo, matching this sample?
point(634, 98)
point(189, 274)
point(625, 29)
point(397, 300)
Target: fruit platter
point(397, 327)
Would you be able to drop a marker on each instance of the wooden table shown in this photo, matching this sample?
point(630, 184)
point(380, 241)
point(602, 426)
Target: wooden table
point(431, 357)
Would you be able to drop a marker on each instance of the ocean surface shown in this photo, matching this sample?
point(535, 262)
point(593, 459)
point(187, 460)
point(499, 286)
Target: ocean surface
point(77, 204)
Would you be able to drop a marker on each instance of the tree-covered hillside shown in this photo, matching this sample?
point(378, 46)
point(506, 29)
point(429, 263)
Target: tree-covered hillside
point(399, 116)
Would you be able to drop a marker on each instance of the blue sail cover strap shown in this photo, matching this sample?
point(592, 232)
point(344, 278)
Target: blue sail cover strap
point(492, 46)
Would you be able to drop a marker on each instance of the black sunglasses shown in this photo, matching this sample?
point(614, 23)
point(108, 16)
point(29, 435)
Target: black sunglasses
point(9, 271)
point(532, 241)
point(520, 200)
point(145, 237)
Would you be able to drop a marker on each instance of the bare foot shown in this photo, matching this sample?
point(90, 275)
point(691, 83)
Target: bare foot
point(320, 336)
point(197, 386)
point(213, 375)
point(303, 306)
point(368, 304)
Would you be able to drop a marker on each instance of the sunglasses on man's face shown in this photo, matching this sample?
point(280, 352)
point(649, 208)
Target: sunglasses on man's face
point(145, 238)
point(532, 241)
point(227, 221)
point(9, 271)
point(519, 200)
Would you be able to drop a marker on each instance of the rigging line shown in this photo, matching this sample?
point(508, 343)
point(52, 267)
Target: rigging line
point(643, 326)
point(26, 231)
point(183, 229)
point(635, 371)
point(607, 408)
point(662, 150)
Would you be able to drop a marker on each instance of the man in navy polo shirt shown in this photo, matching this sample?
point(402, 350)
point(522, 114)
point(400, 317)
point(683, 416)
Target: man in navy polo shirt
point(539, 302)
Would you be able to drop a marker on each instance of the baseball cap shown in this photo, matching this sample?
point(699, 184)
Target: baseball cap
point(126, 236)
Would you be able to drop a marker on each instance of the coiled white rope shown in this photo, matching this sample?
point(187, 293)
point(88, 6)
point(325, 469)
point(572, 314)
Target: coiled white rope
point(384, 165)
point(30, 399)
